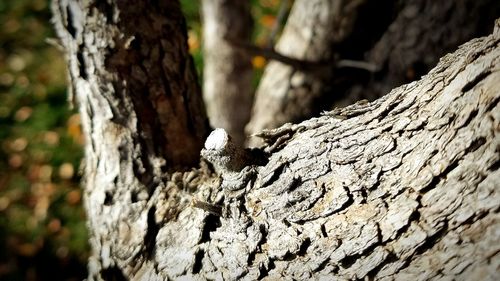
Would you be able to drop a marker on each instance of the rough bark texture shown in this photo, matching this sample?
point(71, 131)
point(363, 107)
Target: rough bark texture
point(142, 113)
point(403, 40)
point(422, 32)
point(405, 187)
point(227, 77)
point(286, 94)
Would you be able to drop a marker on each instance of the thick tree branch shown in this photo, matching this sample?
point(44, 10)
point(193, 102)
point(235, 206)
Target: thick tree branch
point(403, 40)
point(405, 187)
point(422, 32)
point(284, 94)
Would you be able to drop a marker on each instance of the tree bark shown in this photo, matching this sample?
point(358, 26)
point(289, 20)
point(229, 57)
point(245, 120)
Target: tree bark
point(401, 40)
point(286, 94)
point(405, 187)
point(142, 114)
point(421, 33)
point(227, 77)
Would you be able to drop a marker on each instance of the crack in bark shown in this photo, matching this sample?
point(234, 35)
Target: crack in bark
point(113, 273)
point(151, 233)
point(472, 83)
point(211, 223)
point(197, 266)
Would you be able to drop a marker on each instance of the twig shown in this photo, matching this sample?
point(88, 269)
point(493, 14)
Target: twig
point(303, 65)
point(357, 64)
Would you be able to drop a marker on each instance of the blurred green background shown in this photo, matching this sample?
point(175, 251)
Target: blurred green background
point(42, 226)
point(43, 235)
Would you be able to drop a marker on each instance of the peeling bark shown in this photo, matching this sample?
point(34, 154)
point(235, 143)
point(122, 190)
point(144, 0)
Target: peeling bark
point(405, 187)
point(227, 77)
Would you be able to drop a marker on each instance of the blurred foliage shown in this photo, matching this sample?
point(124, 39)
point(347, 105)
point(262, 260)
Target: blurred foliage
point(42, 223)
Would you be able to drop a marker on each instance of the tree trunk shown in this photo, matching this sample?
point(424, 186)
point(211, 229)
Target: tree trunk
point(227, 77)
point(421, 33)
point(142, 114)
point(401, 40)
point(405, 187)
point(286, 94)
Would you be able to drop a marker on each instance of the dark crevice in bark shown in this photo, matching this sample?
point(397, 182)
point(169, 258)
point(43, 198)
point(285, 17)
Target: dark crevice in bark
point(113, 273)
point(322, 265)
point(211, 223)
point(471, 117)
point(414, 217)
point(251, 258)
point(495, 165)
point(81, 64)
point(471, 84)
point(134, 196)
point(349, 202)
point(437, 179)
point(323, 231)
point(364, 196)
point(391, 257)
point(348, 261)
point(198, 258)
point(388, 111)
point(263, 239)
point(275, 175)
point(69, 24)
point(108, 199)
point(433, 240)
point(303, 247)
point(295, 182)
point(473, 219)
point(427, 245)
point(152, 232)
point(493, 103)
point(264, 271)
point(106, 9)
point(476, 144)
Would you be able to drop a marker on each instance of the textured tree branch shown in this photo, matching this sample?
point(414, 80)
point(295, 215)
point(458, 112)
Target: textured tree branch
point(286, 94)
point(405, 187)
point(402, 188)
point(402, 39)
point(422, 32)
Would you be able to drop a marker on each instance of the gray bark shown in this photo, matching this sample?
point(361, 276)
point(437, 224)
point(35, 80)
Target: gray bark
point(422, 32)
point(142, 114)
point(405, 187)
point(402, 40)
point(286, 94)
point(227, 77)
